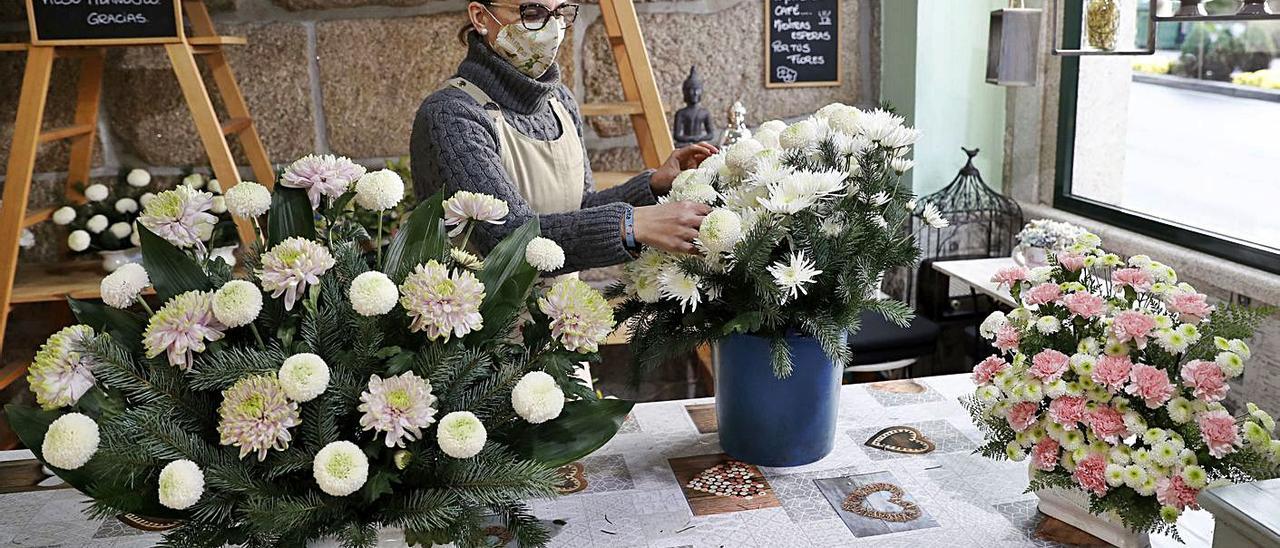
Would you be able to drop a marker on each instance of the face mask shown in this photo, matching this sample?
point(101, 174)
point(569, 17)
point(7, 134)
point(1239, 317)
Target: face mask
point(530, 51)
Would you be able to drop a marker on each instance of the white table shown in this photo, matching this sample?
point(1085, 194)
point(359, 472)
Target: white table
point(977, 273)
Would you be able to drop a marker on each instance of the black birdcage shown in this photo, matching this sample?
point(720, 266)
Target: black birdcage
point(982, 224)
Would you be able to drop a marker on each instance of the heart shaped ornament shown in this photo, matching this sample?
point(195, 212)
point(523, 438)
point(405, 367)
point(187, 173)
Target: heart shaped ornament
point(901, 439)
point(572, 478)
point(856, 503)
point(730, 479)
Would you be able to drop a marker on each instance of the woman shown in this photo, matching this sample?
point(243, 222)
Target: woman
point(506, 126)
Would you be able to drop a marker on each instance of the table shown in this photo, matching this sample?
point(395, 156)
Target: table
point(631, 495)
point(977, 273)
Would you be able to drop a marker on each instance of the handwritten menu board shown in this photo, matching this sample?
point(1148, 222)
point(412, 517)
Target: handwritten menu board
point(88, 22)
point(802, 43)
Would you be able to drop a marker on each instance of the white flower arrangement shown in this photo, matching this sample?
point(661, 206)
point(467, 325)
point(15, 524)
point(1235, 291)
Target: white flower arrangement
point(181, 484)
point(237, 303)
point(248, 200)
point(70, 442)
point(537, 398)
point(544, 254)
point(340, 468)
point(122, 288)
point(304, 376)
point(461, 435)
point(379, 190)
point(372, 293)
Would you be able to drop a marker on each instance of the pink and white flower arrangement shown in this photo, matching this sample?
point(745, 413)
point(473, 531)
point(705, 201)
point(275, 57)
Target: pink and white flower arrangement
point(1124, 399)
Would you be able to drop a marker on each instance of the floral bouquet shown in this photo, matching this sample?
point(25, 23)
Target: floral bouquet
point(1042, 236)
point(318, 393)
point(105, 221)
point(1110, 379)
point(806, 218)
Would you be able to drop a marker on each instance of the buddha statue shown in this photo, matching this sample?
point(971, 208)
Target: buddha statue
point(693, 122)
point(737, 129)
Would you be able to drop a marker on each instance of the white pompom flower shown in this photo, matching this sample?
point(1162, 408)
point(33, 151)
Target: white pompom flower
point(537, 398)
point(96, 192)
point(121, 230)
point(544, 254)
point(97, 224)
point(194, 180)
point(70, 441)
point(372, 293)
point(237, 303)
point(721, 230)
point(248, 200)
point(138, 178)
point(304, 376)
point(340, 468)
point(120, 289)
point(219, 205)
point(78, 240)
point(181, 484)
point(379, 190)
point(214, 186)
point(64, 215)
point(126, 205)
point(461, 435)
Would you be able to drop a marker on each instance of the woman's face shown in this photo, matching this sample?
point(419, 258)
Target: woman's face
point(487, 20)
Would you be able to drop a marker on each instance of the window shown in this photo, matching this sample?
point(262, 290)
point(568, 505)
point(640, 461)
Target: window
point(1183, 145)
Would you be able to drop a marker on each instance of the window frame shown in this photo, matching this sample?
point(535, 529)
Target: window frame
point(1226, 247)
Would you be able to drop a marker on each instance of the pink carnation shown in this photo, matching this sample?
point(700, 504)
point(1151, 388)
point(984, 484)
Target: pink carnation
point(1220, 433)
point(1044, 456)
point(1071, 261)
point(1207, 379)
point(1136, 278)
point(1007, 338)
point(1132, 325)
point(1151, 384)
point(1191, 307)
point(1048, 365)
point(1084, 304)
point(1091, 474)
point(988, 369)
point(1106, 423)
point(1023, 415)
point(1067, 411)
point(1176, 493)
point(1043, 293)
point(1112, 371)
point(1010, 276)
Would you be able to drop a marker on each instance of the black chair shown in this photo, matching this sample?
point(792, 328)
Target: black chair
point(882, 347)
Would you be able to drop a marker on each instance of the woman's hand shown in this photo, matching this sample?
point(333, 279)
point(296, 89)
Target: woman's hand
point(688, 157)
point(671, 226)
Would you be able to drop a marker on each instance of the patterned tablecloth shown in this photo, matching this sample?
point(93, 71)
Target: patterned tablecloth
point(633, 491)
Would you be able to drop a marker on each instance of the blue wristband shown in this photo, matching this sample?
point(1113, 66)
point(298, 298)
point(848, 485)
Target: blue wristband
point(629, 230)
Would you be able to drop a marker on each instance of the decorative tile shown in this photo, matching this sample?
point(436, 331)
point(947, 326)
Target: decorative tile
point(703, 503)
point(946, 439)
point(905, 392)
point(801, 498)
point(606, 473)
point(704, 418)
point(837, 490)
point(630, 426)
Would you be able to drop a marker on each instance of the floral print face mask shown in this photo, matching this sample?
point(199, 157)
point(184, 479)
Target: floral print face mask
point(530, 51)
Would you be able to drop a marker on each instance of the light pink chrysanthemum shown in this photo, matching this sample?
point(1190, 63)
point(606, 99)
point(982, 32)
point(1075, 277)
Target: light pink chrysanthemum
point(61, 373)
point(321, 175)
point(1072, 262)
point(464, 207)
point(256, 416)
point(580, 316)
point(399, 406)
point(1106, 423)
point(442, 304)
point(1007, 337)
point(1010, 276)
point(181, 327)
point(177, 215)
point(1112, 371)
point(291, 265)
point(1084, 304)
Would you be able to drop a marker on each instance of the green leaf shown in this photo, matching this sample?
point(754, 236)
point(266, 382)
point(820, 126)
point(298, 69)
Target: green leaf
point(172, 271)
point(507, 279)
point(379, 484)
point(746, 322)
point(339, 205)
point(583, 427)
point(421, 237)
point(124, 327)
point(291, 215)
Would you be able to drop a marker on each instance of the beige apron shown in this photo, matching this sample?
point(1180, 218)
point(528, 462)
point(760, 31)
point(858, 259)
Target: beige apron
point(549, 175)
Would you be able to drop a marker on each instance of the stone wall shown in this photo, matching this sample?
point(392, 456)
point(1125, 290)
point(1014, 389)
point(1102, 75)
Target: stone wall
point(346, 76)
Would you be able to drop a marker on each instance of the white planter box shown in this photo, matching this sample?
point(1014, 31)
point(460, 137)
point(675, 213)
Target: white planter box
point(1072, 507)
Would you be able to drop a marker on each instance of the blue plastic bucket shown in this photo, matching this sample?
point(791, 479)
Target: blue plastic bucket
point(769, 421)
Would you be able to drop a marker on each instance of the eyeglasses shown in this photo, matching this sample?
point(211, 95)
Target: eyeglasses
point(534, 16)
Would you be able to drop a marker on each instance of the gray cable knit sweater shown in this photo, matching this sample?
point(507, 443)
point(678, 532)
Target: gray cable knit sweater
point(454, 146)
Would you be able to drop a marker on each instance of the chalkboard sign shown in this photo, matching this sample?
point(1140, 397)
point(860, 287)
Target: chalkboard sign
point(802, 43)
point(101, 22)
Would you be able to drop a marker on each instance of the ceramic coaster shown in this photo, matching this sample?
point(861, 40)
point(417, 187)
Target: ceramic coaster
point(901, 439)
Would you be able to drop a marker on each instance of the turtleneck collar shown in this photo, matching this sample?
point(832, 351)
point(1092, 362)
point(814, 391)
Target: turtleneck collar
point(507, 86)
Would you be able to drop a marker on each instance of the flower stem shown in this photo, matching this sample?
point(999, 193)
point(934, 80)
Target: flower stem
point(262, 237)
point(378, 243)
point(467, 237)
point(257, 336)
point(145, 306)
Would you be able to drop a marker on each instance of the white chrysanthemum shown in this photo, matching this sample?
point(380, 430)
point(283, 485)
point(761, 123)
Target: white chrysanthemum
point(372, 293)
point(802, 135)
point(842, 118)
point(901, 165)
point(1048, 325)
point(379, 190)
point(537, 398)
point(214, 186)
point(580, 316)
point(770, 139)
point(120, 289)
point(138, 178)
point(126, 205)
point(773, 125)
point(219, 205)
point(121, 230)
point(464, 207)
point(721, 230)
point(304, 376)
point(702, 193)
point(96, 192)
point(248, 200)
point(399, 406)
point(340, 468)
point(544, 254)
point(181, 484)
point(933, 217)
point(741, 156)
point(992, 324)
point(70, 442)
point(466, 259)
point(146, 198)
point(680, 286)
point(97, 224)
point(237, 303)
point(78, 240)
point(194, 180)
point(64, 215)
point(461, 435)
point(792, 277)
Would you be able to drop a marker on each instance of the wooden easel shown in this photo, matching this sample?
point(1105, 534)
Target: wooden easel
point(202, 41)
